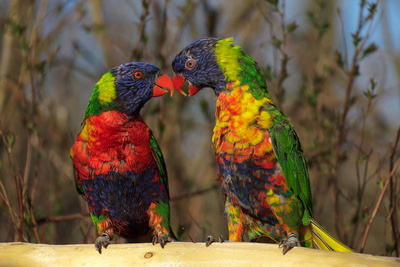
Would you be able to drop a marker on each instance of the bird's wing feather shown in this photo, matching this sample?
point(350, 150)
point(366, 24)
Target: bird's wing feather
point(291, 159)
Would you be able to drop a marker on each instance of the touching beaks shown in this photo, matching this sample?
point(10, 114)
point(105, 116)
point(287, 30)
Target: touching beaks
point(179, 80)
point(162, 85)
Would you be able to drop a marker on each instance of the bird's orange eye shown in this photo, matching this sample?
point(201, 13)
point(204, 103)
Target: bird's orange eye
point(190, 63)
point(138, 74)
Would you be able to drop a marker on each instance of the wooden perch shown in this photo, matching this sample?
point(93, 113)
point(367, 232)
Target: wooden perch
point(180, 254)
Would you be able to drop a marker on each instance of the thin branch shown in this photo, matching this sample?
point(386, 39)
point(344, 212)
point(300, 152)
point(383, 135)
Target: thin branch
point(371, 220)
point(34, 224)
point(19, 188)
point(10, 209)
point(28, 156)
point(361, 185)
point(62, 218)
point(283, 56)
point(18, 233)
point(393, 206)
point(346, 56)
point(269, 21)
point(187, 233)
point(142, 25)
point(341, 131)
point(192, 194)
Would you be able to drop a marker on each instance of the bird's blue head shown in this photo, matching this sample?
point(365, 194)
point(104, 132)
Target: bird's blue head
point(198, 65)
point(127, 88)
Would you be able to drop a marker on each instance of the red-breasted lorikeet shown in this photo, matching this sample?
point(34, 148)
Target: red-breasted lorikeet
point(262, 168)
point(119, 168)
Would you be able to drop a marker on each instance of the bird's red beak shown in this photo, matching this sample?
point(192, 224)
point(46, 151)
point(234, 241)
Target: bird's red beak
point(179, 80)
point(162, 85)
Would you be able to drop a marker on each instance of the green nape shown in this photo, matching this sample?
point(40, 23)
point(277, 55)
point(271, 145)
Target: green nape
point(238, 66)
point(102, 97)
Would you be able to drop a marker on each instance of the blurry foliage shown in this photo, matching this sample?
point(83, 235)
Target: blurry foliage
point(330, 79)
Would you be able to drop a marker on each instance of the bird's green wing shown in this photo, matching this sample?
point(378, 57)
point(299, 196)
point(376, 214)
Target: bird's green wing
point(291, 159)
point(160, 160)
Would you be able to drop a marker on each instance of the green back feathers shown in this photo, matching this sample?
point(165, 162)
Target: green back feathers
point(102, 96)
point(238, 66)
point(291, 159)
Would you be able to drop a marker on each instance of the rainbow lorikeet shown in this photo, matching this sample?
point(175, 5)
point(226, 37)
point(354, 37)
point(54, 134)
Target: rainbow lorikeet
point(262, 169)
point(119, 168)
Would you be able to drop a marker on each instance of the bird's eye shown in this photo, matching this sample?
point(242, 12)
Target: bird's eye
point(138, 74)
point(190, 63)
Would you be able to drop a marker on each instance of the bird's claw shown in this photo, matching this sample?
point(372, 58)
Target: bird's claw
point(211, 239)
point(102, 241)
point(288, 243)
point(163, 239)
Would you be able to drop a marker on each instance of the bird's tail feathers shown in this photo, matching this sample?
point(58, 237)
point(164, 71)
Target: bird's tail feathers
point(324, 241)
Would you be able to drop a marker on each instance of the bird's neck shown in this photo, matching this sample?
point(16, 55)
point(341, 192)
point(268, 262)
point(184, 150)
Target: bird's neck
point(114, 120)
point(220, 87)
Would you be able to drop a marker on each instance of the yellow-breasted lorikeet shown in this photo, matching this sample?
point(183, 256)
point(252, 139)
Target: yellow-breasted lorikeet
point(262, 168)
point(119, 168)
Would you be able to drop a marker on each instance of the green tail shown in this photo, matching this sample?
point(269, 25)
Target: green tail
point(324, 241)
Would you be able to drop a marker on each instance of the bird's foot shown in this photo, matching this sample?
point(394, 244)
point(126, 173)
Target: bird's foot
point(288, 243)
point(102, 241)
point(163, 239)
point(211, 239)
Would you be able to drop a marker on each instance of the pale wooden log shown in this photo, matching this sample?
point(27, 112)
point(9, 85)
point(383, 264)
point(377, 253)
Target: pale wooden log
point(180, 254)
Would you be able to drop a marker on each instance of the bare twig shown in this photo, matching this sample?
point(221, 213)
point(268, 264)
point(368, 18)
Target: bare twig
point(18, 225)
point(142, 25)
point(62, 218)
point(283, 57)
point(190, 8)
point(10, 209)
point(86, 233)
point(361, 184)
point(34, 223)
point(371, 220)
point(187, 233)
point(346, 56)
point(195, 193)
point(4, 191)
point(202, 228)
point(393, 197)
point(281, 45)
point(20, 200)
point(31, 200)
point(351, 74)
